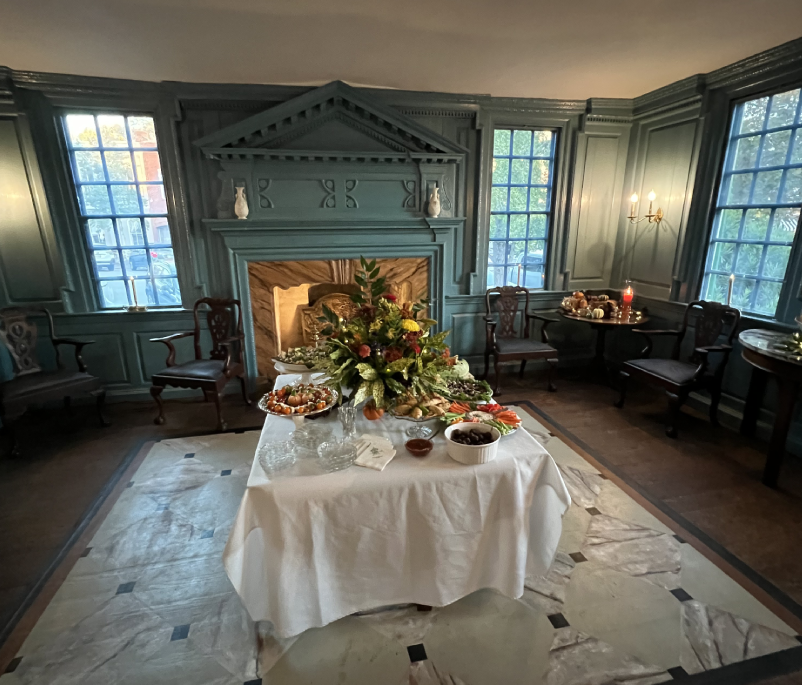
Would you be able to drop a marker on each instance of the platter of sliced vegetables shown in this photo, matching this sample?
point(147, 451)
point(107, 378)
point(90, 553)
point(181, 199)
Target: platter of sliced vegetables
point(502, 418)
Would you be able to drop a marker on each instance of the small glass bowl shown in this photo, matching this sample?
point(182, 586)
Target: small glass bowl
point(276, 456)
point(309, 437)
point(336, 455)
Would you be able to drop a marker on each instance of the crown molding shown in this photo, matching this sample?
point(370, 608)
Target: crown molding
point(783, 58)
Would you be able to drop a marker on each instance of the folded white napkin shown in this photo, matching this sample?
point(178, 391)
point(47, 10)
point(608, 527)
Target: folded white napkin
point(374, 451)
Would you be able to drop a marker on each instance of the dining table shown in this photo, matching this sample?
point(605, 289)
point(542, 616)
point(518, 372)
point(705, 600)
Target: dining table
point(308, 547)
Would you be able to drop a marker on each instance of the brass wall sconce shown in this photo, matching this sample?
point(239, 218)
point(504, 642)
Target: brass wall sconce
point(652, 216)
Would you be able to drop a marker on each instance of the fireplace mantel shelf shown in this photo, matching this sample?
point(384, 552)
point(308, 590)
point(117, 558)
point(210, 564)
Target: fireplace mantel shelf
point(423, 222)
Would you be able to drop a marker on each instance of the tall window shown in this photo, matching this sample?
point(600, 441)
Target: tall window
point(118, 179)
point(757, 213)
point(520, 207)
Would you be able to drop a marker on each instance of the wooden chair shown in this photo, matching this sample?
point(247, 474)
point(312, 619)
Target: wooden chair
point(680, 378)
point(31, 383)
point(505, 344)
point(209, 375)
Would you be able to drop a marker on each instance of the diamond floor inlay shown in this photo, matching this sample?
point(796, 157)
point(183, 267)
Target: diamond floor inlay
point(626, 600)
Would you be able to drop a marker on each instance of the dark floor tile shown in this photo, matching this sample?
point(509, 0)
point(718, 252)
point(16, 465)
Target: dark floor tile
point(85, 553)
point(207, 534)
point(189, 455)
point(125, 588)
point(593, 511)
point(677, 672)
point(130, 484)
point(681, 595)
point(578, 557)
point(12, 666)
point(417, 653)
point(163, 507)
point(558, 621)
point(258, 681)
point(225, 472)
point(180, 632)
point(679, 539)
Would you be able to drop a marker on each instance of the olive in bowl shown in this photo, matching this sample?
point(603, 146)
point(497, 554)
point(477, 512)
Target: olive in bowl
point(472, 443)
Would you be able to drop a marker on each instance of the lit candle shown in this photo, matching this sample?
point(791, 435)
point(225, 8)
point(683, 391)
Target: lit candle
point(133, 290)
point(628, 295)
point(652, 197)
point(634, 201)
point(520, 266)
point(729, 289)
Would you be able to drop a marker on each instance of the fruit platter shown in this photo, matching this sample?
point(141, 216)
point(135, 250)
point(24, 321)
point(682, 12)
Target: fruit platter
point(299, 359)
point(504, 419)
point(298, 399)
point(467, 389)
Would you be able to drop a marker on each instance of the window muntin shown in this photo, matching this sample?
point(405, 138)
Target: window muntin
point(758, 207)
point(118, 179)
point(520, 206)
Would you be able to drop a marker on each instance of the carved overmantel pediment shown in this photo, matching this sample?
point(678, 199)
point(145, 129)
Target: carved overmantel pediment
point(333, 151)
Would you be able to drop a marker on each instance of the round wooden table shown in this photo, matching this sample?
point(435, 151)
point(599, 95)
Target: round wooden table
point(763, 350)
point(601, 326)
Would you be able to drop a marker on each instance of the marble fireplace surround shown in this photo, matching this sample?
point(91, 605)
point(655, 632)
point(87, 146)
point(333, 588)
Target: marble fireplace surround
point(281, 240)
point(279, 289)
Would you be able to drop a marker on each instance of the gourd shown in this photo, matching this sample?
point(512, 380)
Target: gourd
point(597, 314)
point(371, 412)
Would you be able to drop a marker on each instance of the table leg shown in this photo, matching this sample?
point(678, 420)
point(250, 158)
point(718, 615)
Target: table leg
point(601, 344)
point(782, 423)
point(757, 390)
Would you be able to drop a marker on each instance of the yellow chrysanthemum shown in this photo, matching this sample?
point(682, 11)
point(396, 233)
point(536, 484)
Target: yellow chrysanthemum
point(410, 325)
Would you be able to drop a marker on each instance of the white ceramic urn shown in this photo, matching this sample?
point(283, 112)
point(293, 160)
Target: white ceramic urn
point(241, 204)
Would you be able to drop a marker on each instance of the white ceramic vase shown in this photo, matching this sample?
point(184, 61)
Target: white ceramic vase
point(433, 209)
point(241, 204)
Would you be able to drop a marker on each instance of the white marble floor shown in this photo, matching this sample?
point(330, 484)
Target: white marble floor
point(626, 600)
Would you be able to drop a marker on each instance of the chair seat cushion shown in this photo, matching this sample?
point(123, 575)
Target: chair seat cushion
point(57, 384)
point(672, 370)
point(198, 369)
point(521, 346)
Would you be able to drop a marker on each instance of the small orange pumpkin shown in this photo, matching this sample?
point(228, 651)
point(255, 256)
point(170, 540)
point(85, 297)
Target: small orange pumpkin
point(372, 412)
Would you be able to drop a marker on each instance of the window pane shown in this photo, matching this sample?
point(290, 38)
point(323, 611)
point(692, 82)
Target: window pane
point(753, 115)
point(148, 167)
point(95, 200)
point(756, 243)
point(522, 184)
point(127, 191)
point(783, 109)
point(89, 166)
point(101, 232)
point(775, 148)
point(112, 130)
point(119, 166)
point(143, 132)
point(81, 130)
point(746, 153)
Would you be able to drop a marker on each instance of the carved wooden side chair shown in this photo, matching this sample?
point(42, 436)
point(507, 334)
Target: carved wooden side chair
point(505, 343)
point(224, 319)
point(680, 378)
point(31, 383)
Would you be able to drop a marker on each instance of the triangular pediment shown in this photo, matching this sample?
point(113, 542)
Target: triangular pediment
point(334, 117)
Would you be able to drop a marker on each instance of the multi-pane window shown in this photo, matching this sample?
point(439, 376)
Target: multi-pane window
point(520, 207)
point(118, 179)
point(757, 213)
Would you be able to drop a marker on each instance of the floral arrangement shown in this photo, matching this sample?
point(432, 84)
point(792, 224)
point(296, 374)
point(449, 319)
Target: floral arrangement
point(387, 348)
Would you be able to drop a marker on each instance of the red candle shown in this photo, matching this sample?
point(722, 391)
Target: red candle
point(628, 295)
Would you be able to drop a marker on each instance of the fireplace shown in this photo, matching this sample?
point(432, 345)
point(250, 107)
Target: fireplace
point(288, 296)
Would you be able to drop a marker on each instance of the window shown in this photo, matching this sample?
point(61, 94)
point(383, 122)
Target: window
point(520, 207)
point(118, 179)
point(757, 213)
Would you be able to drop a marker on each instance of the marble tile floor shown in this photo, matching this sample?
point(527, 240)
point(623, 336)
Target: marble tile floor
point(626, 600)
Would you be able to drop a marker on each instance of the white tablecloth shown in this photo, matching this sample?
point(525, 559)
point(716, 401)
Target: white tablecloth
point(309, 547)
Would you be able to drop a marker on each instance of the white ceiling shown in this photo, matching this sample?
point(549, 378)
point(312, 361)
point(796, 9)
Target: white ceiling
point(535, 48)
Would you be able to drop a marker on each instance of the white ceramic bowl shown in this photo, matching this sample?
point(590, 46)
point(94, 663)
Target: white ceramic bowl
point(472, 454)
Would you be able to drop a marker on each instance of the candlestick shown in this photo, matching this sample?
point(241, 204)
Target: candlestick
point(519, 274)
point(133, 290)
point(634, 207)
point(729, 289)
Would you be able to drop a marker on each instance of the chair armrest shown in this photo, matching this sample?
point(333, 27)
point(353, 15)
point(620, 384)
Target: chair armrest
point(168, 340)
point(714, 348)
point(78, 345)
point(544, 335)
point(647, 351)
